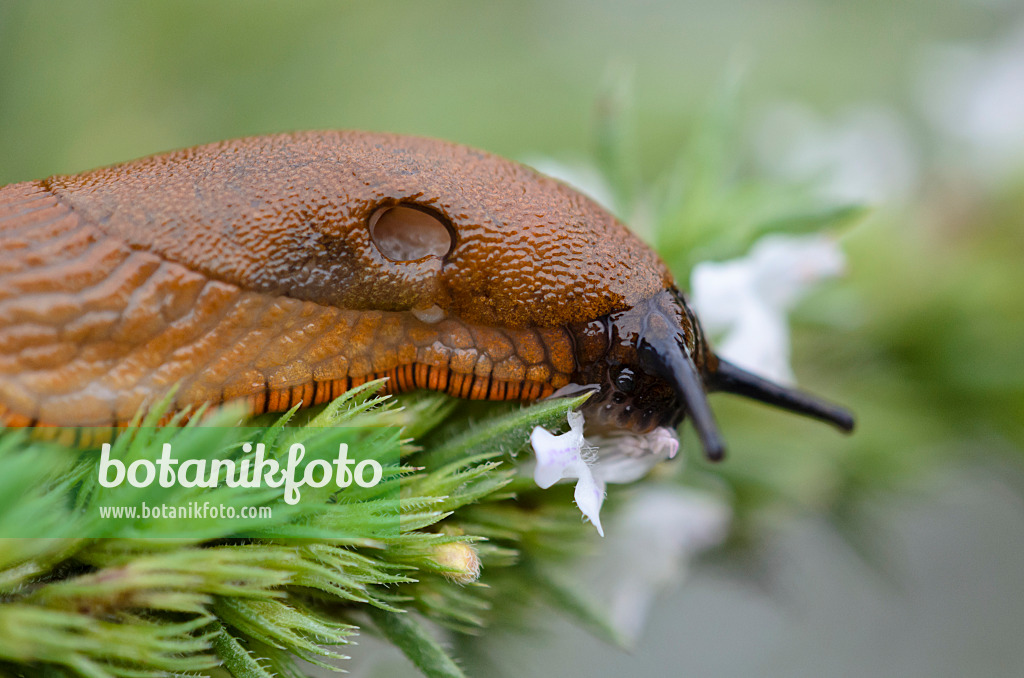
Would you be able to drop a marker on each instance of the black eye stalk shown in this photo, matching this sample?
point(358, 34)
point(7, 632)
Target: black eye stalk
point(732, 379)
point(662, 351)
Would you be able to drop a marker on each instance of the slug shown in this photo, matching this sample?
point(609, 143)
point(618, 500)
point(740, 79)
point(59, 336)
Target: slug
point(287, 269)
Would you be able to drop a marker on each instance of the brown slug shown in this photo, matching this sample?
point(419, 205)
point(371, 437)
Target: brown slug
point(287, 269)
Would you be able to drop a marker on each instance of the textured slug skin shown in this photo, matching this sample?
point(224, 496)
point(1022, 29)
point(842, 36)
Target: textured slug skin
point(245, 270)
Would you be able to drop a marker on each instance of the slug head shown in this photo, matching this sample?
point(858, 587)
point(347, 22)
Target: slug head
point(653, 367)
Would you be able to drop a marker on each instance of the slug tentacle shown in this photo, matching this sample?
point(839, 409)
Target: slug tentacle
point(661, 351)
point(732, 379)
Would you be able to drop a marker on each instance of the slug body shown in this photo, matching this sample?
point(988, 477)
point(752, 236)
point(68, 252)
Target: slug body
point(290, 268)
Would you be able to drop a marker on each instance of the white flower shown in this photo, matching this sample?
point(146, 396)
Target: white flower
point(622, 459)
point(653, 539)
point(626, 457)
point(658, 531)
point(865, 154)
point(746, 301)
point(974, 95)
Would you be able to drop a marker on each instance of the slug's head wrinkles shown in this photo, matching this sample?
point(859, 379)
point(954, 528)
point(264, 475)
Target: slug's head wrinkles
point(653, 367)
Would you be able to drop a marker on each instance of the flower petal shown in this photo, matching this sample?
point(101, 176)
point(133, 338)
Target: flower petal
point(628, 457)
point(746, 301)
point(558, 456)
point(589, 497)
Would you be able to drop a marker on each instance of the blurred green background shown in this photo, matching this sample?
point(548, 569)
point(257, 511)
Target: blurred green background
point(899, 551)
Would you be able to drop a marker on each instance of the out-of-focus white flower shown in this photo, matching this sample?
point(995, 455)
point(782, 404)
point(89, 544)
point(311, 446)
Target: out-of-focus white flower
point(653, 539)
point(864, 155)
point(615, 459)
point(975, 96)
point(746, 301)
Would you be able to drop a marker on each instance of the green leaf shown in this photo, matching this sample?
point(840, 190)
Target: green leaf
point(417, 644)
point(236, 658)
point(812, 221)
point(577, 606)
point(508, 433)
